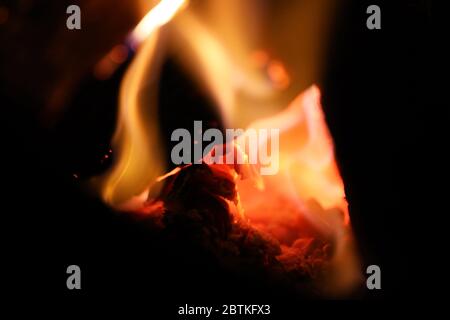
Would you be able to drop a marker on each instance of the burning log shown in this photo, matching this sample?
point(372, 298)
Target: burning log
point(201, 208)
point(196, 195)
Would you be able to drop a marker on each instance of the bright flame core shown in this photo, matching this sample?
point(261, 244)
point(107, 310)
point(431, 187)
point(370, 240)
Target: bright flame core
point(306, 198)
point(162, 13)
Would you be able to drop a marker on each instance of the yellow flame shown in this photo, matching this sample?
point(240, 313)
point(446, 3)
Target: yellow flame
point(136, 143)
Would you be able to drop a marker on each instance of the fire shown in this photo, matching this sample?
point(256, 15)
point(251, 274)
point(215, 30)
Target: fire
point(305, 200)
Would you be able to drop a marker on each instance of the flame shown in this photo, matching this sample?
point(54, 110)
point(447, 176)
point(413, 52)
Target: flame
point(162, 13)
point(251, 87)
point(136, 165)
point(252, 60)
point(306, 198)
point(306, 151)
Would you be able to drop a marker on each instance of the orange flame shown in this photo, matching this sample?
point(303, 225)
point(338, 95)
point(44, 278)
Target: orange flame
point(306, 197)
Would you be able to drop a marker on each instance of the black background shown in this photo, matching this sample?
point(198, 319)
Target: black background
point(381, 103)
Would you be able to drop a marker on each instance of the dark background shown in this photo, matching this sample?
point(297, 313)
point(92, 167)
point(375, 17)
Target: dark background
point(381, 102)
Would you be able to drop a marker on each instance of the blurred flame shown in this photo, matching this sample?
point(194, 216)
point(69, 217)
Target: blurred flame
point(162, 13)
point(306, 150)
point(137, 129)
point(307, 194)
point(251, 86)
